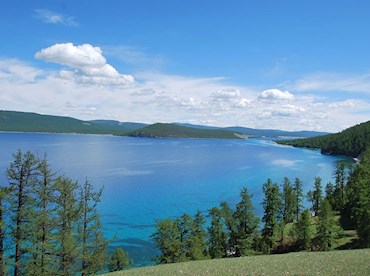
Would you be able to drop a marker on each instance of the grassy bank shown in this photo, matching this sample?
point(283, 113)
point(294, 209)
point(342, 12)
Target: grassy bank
point(344, 262)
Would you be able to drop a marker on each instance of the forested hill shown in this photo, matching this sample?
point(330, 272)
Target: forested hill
point(33, 122)
point(176, 131)
point(350, 142)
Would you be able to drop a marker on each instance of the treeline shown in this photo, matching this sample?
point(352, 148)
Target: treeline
point(286, 225)
point(50, 225)
point(350, 142)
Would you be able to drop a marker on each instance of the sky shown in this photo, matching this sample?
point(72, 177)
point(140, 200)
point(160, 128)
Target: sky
point(290, 65)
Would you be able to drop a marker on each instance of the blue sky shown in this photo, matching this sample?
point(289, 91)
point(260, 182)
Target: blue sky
point(266, 64)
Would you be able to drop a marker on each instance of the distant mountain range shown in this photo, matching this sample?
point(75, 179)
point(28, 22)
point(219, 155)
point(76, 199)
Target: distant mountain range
point(33, 122)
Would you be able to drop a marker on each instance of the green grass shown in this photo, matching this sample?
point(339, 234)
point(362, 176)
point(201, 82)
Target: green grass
point(343, 262)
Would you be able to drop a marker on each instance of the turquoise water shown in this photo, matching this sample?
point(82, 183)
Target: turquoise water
point(149, 179)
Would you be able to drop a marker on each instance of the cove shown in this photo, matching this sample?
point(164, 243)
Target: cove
point(149, 179)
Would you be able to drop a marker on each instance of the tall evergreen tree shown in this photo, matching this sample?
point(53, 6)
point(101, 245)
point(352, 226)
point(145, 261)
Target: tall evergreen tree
point(217, 244)
point(68, 215)
point(327, 227)
point(93, 245)
point(167, 239)
point(230, 223)
point(358, 205)
point(339, 188)
point(246, 225)
point(288, 201)
point(298, 195)
point(271, 205)
point(303, 231)
point(316, 195)
point(184, 225)
point(197, 240)
point(22, 176)
point(41, 249)
point(3, 194)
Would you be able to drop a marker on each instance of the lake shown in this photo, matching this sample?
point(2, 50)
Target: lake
point(148, 179)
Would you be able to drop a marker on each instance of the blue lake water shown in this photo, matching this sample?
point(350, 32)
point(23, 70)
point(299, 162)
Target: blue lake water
point(149, 179)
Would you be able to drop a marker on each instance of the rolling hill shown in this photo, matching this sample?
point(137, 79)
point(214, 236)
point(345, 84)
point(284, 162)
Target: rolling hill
point(176, 131)
point(33, 122)
point(350, 142)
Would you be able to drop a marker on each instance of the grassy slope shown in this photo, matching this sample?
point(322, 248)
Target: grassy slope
point(176, 131)
point(344, 262)
point(33, 122)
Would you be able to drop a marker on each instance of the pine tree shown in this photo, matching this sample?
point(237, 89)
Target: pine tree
point(167, 239)
point(230, 223)
point(246, 225)
point(3, 194)
point(327, 227)
point(93, 245)
point(316, 196)
point(217, 244)
point(271, 205)
point(184, 227)
point(22, 176)
point(197, 240)
point(288, 202)
point(339, 188)
point(41, 249)
point(303, 231)
point(68, 215)
point(358, 205)
point(298, 195)
point(119, 260)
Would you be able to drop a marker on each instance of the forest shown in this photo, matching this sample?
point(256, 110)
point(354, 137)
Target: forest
point(286, 226)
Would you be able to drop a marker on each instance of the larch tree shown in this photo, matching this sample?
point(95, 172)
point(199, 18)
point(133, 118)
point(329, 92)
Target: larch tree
point(271, 205)
point(22, 175)
point(298, 197)
point(246, 225)
point(217, 243)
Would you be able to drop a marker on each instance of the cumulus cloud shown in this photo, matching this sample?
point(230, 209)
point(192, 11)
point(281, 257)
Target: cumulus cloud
point(275, 95)
point(51, 17)
point(88, 62)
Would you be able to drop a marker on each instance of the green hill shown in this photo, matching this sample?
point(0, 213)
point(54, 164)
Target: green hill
point(350, 142)
point(33, 122)
point(175, 131)
point(349, 262)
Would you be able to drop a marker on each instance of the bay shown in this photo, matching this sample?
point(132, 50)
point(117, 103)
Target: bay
point(149, 179)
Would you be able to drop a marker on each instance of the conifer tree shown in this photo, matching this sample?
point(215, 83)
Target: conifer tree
point(22, 176)
point(93, 245)
point(231, 227)
point(119, 260)
point(67, 216)
point(327, 227)
point(316, 195)
point(271, 205)
point(288, 203)
point(3, 194)
point(217, 244)
point(42, 247)
point(197, 241)
point(246, 225)
point(303, 231)
point(184, 227)
point(167, 239)
point(298, 195)
point(339, 188)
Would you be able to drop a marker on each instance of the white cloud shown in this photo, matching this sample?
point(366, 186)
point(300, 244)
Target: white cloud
point(51, 17)
point(161, 97)
point(90, 65)
point(334, 82)
point(275, 95)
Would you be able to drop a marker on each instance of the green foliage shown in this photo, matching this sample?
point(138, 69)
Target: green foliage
point(350, 142)
point(316, 196)
point(298, 196)
point(176, 131)
point(303, 231)
point(288, 201)
point(271, 205)
point(358, 205)
point(119, 260)
point(217, 243)
point(327, 229)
